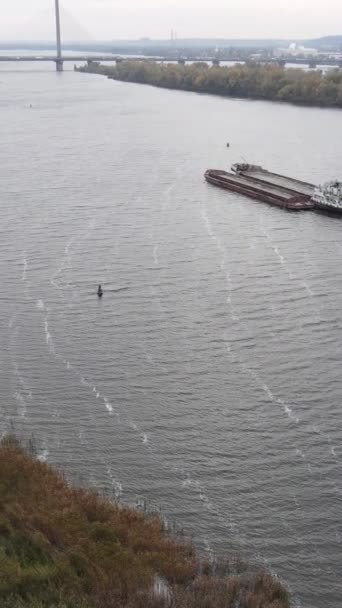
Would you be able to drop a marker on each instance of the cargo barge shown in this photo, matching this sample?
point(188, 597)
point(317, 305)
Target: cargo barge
point(262, 176)
point(266, 192)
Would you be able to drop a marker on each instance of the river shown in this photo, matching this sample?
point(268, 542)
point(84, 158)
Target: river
point(207, 381)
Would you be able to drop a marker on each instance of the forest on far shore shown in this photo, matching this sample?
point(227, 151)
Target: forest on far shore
point(251, 80)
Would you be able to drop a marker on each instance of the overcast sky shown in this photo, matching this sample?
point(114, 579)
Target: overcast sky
point(122, 19)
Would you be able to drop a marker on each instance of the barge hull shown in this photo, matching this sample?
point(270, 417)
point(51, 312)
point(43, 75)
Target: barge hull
point(269, 194)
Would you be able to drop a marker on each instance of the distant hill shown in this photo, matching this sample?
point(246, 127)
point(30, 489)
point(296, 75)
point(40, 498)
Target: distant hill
point(154, 46)
point(102, 45)
point(327, 42)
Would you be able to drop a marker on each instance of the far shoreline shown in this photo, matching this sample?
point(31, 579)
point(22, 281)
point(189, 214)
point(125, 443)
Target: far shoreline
point(172, 77)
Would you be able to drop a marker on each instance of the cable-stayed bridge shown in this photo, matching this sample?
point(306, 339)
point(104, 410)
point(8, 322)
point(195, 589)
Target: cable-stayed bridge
point(59, 58)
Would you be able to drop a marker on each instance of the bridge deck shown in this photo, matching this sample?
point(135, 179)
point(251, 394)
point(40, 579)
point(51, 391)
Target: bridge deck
point(103, 58)
point(54, 58)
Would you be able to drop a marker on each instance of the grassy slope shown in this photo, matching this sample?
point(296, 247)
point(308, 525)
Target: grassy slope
point(66, 547)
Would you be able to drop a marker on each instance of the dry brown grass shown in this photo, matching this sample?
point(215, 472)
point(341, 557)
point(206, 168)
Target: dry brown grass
point(66, 547)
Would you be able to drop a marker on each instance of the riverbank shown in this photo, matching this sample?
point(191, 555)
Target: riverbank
point(66, 546)
point(252, 81)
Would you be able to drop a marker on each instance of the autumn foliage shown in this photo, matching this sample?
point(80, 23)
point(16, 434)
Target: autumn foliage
point(251, 80)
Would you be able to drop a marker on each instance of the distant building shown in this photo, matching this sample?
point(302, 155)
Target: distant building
point(295, 50)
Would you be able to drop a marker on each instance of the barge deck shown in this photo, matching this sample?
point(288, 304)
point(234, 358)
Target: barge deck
point(273, 194)
point(262, 176)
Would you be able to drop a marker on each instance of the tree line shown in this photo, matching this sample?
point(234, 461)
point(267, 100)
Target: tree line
point(250, 80)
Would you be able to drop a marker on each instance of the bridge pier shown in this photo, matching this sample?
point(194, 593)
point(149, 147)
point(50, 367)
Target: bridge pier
point(59, 65)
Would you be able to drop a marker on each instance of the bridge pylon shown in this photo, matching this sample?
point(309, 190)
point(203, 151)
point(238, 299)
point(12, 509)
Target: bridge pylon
point(59, 60)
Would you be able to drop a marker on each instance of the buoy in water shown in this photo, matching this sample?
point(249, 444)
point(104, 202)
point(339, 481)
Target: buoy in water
point(99, 291)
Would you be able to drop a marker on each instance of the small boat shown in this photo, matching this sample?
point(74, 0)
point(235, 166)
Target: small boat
point(100, 292)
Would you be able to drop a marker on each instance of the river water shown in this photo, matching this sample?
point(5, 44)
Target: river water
point(208, 379)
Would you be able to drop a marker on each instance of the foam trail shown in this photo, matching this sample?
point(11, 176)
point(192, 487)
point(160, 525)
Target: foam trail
point(186, 483)
point(284, 263)
point(43, 456)
point(287, 409)
point(25, 266)
point(94, 389)
point(22, 403)
point(12, 320)
point(117, 485)
point(40, 305)
point(108, 405)
point(65, 263)
point(48, 337)
point(155, 255)
point(223, 264)
point(22, 382)
point(167, 195)
point(281, 258)
point(308, 289)
point(209, 550)
point(151, 360)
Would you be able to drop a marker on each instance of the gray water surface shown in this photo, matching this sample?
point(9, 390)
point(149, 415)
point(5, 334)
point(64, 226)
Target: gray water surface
point(208, 378)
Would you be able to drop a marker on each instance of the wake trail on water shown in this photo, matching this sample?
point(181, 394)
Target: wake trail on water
point(22, 392)
point(99, 395)
point(284, 262)
point(151, 360)
point(65, 263)
point(186, 478)
point(145, 438)
point(223, 265)
point(166, 197)
point(155, 255)
point(319, 308)
point(235, 317)
point(188, 482)
point(287, 406)
point(25, 266)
